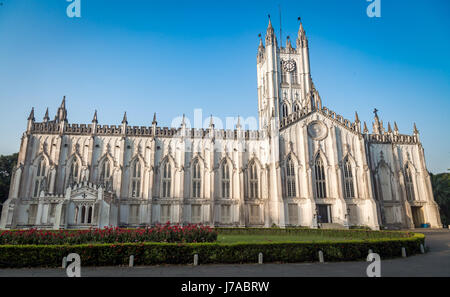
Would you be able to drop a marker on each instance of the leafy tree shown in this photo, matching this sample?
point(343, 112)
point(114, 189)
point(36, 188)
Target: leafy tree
point(441, 191)
point(7, 164)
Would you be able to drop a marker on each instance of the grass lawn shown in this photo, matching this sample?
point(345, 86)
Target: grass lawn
point(234, 238)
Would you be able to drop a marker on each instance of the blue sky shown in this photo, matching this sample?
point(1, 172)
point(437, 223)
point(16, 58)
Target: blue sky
point(170, 57)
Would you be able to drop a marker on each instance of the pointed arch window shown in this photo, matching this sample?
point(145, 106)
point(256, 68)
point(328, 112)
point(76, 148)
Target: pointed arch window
point(290, 178)
point(136, 179)
point(294, 76)
point(83, 214)
point(40, 180)
point(320, 183)
point(283, 74)
point(196, 179)
point(74, 171)
point(296, 107)
point(75, 219)
point(166, 180)
point(89, 218)
point(409, 183)
point(225, 180)
point(349, 189)
point(253, 180)
point(284, 110)
point(105, 171)
point(105, 178)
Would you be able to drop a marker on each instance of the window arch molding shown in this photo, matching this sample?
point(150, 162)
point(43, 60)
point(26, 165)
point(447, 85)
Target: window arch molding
point(136, 171)
point(285, 109)
point(73, 169)
point(291, 179)
point(167, 169)
point(320, 175)
point(41, 171)
point(197, 177)
point(409, 173)
point(254, 173)
point(349, 177)
point(226, 172)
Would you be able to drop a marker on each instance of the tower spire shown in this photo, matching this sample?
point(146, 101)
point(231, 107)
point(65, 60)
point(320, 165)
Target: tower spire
point(302, 41)
point(270, 34)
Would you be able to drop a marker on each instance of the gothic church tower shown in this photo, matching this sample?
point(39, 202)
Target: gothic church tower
point(284, 79)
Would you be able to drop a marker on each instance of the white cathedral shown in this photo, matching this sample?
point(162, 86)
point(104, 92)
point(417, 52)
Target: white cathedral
point(305, 166)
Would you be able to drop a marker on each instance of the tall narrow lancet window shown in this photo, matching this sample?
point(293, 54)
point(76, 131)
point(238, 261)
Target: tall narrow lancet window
point(89, 218)
point(74, 171)
point(196, 180)
point(136, 179)
point(166, 180)
point(83, 214)
point(296, 107)
point(320, 178)
point(284, 110)
point(75, 219)
point(253, 180)
point(409, 184)
point(349, 190)
point(283, 74)
point(225, 180)
point(294, 77)
point(105, 174)
point(39, 181)
point(290, 178)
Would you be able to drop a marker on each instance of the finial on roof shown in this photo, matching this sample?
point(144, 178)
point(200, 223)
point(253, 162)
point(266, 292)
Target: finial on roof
point(46, 117)
point(389, 127)
point(415, 129)
point(238, 125)
point(365, 128)
point(211, 122)
point(356, 117)
point(124, 121)
point(31, 116)
point(395, 127)
point(94, 120)
point(154, 122)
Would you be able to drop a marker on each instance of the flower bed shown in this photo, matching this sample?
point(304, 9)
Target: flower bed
point(160, 233)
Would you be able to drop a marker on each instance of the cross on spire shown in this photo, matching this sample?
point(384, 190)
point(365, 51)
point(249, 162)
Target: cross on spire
point(375, 112)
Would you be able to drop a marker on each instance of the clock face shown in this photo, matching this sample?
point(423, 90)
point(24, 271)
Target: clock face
point(289, 66)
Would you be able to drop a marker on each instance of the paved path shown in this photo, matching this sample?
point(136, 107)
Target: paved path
point(434, 263)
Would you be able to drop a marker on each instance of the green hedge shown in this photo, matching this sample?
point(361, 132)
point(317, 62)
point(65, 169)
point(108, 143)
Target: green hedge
point(346, 233)
point(173, 253)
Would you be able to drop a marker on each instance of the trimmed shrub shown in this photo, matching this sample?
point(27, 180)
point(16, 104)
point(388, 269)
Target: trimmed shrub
point(151, 253)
